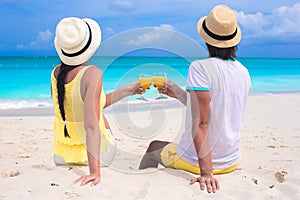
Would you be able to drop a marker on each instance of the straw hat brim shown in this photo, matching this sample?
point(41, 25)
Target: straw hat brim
point(218, 43)
point(89, 52)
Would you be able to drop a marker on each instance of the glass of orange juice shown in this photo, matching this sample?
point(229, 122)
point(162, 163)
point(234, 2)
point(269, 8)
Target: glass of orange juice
point(159, 81)
point(145, 82)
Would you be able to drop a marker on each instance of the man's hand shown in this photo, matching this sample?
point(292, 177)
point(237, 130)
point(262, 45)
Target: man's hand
point(208, 181)
point(168, 89)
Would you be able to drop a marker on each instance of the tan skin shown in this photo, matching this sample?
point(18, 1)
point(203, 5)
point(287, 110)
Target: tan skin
point(91, 87)
point(200, 106)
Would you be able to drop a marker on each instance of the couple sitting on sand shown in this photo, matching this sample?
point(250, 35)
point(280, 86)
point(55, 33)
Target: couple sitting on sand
point(215, 98)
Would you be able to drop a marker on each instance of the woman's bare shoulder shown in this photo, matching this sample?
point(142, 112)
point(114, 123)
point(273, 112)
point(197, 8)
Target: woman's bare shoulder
point(56, 70)
point(91, 73)
point(93, 70)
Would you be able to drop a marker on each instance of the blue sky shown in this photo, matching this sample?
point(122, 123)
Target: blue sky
point(270, 28)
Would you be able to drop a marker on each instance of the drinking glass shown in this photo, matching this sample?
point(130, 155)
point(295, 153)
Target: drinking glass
point(145, 82)
point(159, 81)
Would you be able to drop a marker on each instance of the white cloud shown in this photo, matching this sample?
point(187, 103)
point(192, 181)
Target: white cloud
point(252, 23)
point(122, 5)
point(44, 36)
point(20, 47)
point(286, 19)
point(167, 26)
point(156, 34)
point(280, 26)
point(281, 20)
point(43, 41)
point(109, 31)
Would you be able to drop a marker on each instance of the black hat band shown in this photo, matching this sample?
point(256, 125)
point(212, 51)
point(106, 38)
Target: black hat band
point(83, 49)
point(218, 37)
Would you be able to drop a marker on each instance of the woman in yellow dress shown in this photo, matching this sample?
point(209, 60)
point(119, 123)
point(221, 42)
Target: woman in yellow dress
point(78, 98)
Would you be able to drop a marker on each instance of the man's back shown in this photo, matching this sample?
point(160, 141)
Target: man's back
point(229, 84)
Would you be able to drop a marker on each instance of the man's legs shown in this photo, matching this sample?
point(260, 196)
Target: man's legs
point(152, 156)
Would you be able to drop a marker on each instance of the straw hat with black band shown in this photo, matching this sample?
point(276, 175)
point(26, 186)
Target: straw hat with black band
point(77, 40)
point(220, 28)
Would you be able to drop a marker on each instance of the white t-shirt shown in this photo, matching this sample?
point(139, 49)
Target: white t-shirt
point(229, 85)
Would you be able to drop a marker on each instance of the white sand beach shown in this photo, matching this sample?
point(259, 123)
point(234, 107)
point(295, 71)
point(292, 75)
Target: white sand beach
point(270, 168)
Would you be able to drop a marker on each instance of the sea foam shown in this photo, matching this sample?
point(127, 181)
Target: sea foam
point(21, 104)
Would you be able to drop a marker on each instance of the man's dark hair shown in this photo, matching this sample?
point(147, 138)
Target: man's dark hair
point(223, 53)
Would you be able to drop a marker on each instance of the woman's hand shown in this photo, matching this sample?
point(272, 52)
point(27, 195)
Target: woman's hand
point(93, 178)
point(208, 181)
point(134, 88)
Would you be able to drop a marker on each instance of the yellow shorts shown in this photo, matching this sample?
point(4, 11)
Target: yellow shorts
point(171, 159)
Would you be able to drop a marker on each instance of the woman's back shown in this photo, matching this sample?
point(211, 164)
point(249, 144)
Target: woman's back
point(74, 106)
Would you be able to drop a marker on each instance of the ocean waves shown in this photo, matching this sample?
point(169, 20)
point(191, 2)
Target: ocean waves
point(23, 104)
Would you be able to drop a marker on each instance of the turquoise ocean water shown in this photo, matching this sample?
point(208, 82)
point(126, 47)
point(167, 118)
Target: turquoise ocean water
point(25, 81)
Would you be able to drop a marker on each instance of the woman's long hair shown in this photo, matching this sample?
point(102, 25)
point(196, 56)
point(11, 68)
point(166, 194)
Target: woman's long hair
point(64, 69)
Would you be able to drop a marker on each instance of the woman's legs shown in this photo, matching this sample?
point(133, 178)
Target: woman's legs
point(107, 157)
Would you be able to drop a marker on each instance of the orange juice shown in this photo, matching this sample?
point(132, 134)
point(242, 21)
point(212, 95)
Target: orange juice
point(159, 81)
point(145, 82)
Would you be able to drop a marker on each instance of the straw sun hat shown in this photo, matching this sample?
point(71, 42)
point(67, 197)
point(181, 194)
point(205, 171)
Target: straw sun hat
point(220, 28)
point(77, 40)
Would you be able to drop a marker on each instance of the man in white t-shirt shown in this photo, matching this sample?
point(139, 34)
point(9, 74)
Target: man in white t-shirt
point(216, 98)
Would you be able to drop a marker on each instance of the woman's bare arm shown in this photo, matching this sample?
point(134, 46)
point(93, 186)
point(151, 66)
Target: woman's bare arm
point(127, 90)
point(92, 86)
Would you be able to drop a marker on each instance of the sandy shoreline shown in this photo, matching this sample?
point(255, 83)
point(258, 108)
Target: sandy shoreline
point(270, 168)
